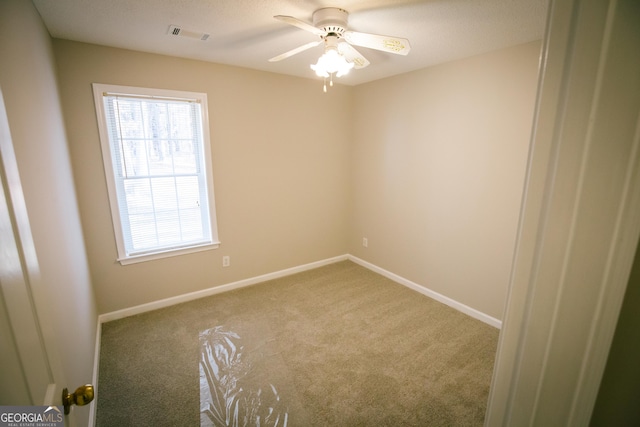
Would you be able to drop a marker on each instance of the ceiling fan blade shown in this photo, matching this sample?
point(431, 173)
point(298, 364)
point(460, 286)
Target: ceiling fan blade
point(374, 41)
point(352, 55)
point(294, 51)
point(300, 24)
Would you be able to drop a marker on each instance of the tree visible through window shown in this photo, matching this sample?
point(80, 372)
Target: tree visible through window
point(157, 162)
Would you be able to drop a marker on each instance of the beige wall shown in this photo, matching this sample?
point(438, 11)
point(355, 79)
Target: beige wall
point(280, 158)
point(27, 78)
point(439, 158)
point(429, 166)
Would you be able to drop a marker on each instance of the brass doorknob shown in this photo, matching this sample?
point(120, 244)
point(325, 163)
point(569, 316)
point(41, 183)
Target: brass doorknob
point(80, 397)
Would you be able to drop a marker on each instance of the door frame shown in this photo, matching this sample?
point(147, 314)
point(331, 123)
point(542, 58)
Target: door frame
point(580, 219)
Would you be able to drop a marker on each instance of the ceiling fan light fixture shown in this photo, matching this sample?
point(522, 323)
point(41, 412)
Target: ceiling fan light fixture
point(332, 62)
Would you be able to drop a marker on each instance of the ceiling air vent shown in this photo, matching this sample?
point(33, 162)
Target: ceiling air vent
point(175, 30)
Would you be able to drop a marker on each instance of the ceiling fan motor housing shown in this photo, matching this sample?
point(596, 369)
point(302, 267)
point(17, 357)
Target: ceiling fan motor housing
point(332, 20)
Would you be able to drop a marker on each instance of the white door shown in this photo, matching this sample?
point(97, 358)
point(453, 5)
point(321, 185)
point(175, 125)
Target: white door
point(26, 375)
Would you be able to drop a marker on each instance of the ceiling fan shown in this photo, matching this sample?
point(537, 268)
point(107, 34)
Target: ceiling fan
point(330, 24)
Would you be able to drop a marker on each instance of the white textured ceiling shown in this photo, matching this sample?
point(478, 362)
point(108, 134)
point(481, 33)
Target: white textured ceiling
point(244, 33)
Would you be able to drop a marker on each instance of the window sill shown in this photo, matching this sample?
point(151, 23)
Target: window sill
point(168, 253)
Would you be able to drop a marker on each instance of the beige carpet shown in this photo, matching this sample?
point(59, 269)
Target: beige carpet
point(335, 346)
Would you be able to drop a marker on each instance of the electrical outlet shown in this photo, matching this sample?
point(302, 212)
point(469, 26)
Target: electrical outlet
point(365, 242)
point(226, 261)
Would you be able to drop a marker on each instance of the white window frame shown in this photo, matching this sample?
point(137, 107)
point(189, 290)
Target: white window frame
point(99, 91)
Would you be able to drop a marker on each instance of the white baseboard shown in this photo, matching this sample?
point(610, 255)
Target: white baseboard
point(114, 315)
point(119, 314)
point(428, 292)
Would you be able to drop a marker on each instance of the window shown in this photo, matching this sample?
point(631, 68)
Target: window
point(157, 161)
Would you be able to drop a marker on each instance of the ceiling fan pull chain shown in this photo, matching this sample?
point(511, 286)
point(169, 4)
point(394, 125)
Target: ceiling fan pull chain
point(324, 88)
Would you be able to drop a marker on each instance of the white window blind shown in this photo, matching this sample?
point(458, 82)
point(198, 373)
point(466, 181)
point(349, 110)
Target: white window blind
point(157, 162)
